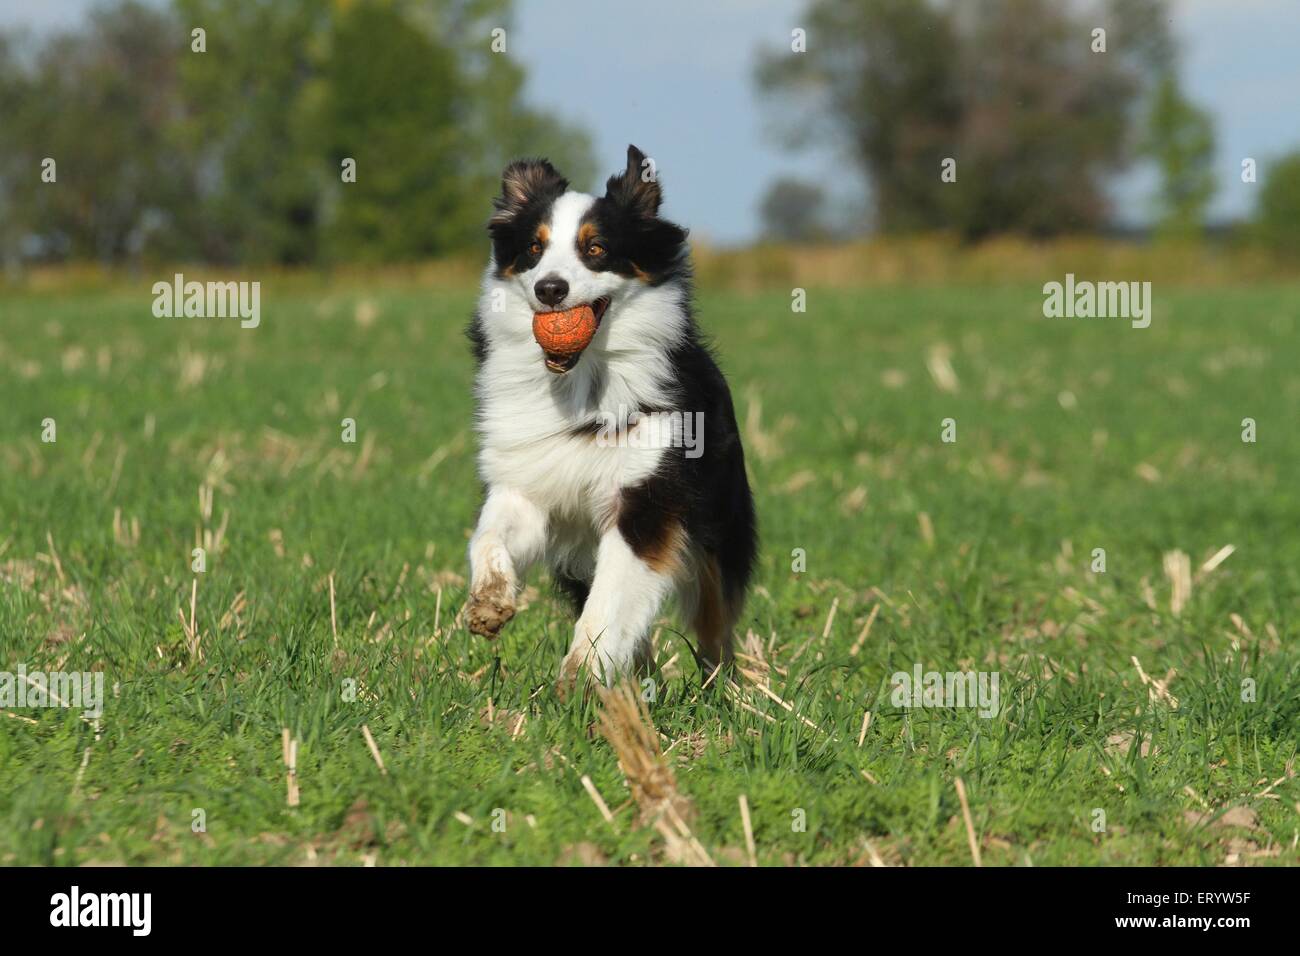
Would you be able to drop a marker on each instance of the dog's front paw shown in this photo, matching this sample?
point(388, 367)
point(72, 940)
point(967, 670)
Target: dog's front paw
point(573, 669)
point(489, 610)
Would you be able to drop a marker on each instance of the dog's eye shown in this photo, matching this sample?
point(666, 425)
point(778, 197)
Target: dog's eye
point(595, 249)
point(535, 248)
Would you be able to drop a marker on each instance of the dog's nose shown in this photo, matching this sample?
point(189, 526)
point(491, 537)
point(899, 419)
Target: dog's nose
point(551, 290)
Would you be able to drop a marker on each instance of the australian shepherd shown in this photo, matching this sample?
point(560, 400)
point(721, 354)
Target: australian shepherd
point(619, 465)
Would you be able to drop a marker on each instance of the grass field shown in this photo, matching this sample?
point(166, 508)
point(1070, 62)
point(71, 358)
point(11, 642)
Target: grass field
point(1071, 435)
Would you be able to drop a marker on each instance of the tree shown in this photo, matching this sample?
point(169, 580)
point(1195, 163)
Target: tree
point(880, 82)
point(1277, 216)
point(1009, 90)
point(1181, 140)
point(411, 91)
point(17, 158)
point(250, 126)
point(233, 153)
point(431, 117)
point(394, 99)
point(99, 104)
point(793, 211)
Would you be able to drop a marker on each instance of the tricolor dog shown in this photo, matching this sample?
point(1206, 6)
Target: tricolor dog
point(608, 444)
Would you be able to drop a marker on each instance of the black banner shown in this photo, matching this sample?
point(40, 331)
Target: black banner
point(337, 905)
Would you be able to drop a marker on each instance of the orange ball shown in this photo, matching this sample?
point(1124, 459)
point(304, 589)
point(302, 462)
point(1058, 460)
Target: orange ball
point(565, 333)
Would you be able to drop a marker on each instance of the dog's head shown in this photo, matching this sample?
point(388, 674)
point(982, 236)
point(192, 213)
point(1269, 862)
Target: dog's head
point(554, 249)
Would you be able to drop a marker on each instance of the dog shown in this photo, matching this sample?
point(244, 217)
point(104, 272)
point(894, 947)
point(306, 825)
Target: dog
point(620, 467)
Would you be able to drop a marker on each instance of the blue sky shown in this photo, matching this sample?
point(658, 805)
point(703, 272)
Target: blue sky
point(676, 78)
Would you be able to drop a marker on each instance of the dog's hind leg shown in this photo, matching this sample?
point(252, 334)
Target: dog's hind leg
point(510, 536)
point(712, 616)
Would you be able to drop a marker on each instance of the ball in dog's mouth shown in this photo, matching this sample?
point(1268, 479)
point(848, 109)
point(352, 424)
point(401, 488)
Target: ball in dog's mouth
point(564, 335)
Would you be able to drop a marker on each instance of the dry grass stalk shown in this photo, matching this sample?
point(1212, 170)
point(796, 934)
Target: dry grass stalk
point(749, 831)
point(681, 843)
point(81, 771)
point(192, 641)
point(1287, 775)
point(873, 855)
point(865, 632)
point(767, 692)
point(233, 615)
point(852, 502)
point(830, 618)
point(374, 748)
point(334, 622)
point(751, 661)
point(289, 750)
point(1223, 554)
point(927, 528)
point(54, 558)
point(1157, 689)
point(802, 647)
point(970, 824)
point(125, 533)
point(938, 362)
point(751, 709)
point(1178, 569)
point(362, 462)
point(625, 723)
point(597, 799)
point(1148, 594)
point(213, 541)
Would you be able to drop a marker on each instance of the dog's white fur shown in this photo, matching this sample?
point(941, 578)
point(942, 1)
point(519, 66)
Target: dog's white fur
point(552, 493)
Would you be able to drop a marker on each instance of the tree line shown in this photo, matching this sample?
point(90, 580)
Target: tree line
point(982, 117)
point(318, 131)
point(282, 131)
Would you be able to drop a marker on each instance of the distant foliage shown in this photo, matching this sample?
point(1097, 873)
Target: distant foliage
point(1012, 90)
point(793, 210)
point(235, 154)
point(102, 105)
point(1180, 138)
point(1277, 218)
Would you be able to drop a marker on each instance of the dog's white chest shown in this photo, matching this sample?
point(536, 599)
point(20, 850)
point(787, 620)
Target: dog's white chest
point(560, 463)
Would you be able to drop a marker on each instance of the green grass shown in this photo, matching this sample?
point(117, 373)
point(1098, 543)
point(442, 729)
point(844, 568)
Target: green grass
point(1071, 435)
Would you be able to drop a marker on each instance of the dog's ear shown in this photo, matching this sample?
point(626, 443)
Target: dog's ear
point(637, 187)
point(523, 182)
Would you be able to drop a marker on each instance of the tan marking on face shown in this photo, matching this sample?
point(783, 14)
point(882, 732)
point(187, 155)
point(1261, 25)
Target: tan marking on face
point(586, 233)
point(543, 233)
